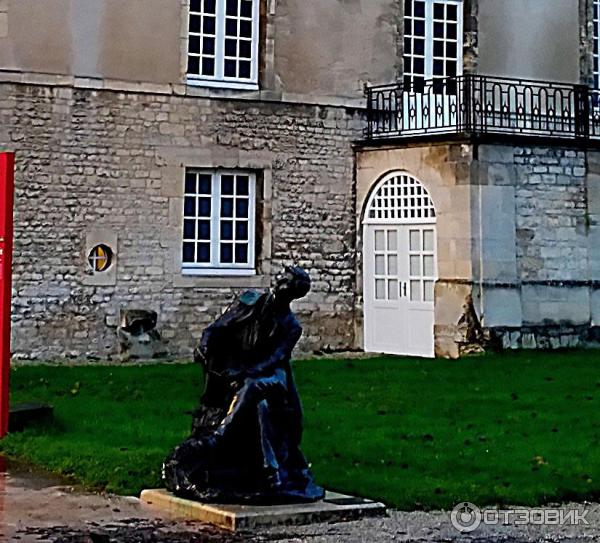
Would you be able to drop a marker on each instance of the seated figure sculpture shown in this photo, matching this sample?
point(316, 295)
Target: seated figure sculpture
point(246, 433)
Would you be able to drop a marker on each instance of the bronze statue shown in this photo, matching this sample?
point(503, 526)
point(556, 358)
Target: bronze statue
point(246, 433)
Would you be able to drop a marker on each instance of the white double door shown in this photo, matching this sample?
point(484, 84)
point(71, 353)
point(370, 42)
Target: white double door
point(400, 271)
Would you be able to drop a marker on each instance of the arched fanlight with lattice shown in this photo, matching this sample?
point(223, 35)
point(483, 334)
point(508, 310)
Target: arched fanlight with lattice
point(400, 198)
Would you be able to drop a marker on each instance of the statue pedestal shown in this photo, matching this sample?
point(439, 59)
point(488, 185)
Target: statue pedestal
point(333, 508)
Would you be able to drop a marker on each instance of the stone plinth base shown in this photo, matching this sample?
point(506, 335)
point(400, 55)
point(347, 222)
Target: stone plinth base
point(335, 507)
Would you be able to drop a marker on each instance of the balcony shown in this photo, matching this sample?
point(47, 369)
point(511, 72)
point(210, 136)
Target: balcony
point(477, 106)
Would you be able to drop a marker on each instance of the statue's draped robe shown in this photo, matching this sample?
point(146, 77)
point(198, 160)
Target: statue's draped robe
point(251, 343)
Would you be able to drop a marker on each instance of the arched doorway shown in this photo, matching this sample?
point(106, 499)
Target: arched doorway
point(400, 267)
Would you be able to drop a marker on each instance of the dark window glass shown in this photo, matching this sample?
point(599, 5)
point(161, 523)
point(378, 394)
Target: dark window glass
point(210, 6)
point(227, 207)
point(241, 208)
point(408, 26)
point(204, 253)
point(226, 253)
point(195, 23)
point(227, 230)
point(438, 48)
point(203, 229)
point(242, 186)
point(419, 28)
point(452, 13)
point(188, 229)
point(408, 46)
point(408, 64)
point(419, 9)
point(188, 252)
point(193, 65)
point(209, 46)
point(230, 48)
point(190, 183)
point(438, 30)
point(241, 230)
point(195, 5)
point(245, 68)
point(230, 68)
point(189, 206)
point(204, 207)
point(208, 66)
point(246, 8)
point(227, 184)
point(451, 31)
point(245, 49)
point(204, 184)
point(438, 11)
point(232, 7)
point(419, 47)
point(451, 49)
point(231, 27)
point(194, 44)
point(246, 29)
point(418, 84)
point(208, 26)
point(438, 67)
point(241, 253)
point(419, 66)
point(408, 7)
point(451, 68)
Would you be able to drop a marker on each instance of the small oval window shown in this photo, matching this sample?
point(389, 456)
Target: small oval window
point(100, 258)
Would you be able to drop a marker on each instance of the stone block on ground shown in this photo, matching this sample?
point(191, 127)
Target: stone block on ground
point(333, 508)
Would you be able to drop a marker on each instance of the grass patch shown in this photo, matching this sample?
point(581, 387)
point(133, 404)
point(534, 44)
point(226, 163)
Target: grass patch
point(518, 428)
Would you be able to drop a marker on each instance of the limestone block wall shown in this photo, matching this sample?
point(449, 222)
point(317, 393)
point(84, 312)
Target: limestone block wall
point(537, 244)
point(92, 162)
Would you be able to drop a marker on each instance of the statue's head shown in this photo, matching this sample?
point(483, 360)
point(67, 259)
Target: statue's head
point(294, 283)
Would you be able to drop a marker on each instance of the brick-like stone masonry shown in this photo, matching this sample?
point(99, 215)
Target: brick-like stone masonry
point(554, 244)
point(97, 158)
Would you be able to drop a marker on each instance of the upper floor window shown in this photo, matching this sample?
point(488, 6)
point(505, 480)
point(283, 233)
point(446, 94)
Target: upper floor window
point(596, 68)
point(219, 222)
point(223, 43)
point(433, 40)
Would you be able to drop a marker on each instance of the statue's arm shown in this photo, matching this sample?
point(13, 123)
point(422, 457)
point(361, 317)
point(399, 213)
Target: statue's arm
point(282, 351)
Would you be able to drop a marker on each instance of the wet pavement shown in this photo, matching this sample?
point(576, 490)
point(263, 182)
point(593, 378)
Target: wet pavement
point(38, 507)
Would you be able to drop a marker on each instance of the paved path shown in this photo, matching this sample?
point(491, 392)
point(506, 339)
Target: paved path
point(36, 508)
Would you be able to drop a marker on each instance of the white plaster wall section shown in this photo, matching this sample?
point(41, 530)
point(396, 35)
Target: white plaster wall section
point(85, 18)
point(536, 39)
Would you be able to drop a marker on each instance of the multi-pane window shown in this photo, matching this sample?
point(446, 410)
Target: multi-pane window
point(596, 68)
point(422, 270)
point(219, 222)
point(223, 43)
point(432, 40)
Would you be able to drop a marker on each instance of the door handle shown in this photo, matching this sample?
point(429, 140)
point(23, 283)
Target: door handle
point(403, 289)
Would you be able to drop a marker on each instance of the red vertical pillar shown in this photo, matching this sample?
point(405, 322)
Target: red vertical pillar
point(7, 166)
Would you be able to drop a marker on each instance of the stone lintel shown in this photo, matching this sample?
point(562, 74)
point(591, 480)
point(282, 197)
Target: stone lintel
point(335, 507)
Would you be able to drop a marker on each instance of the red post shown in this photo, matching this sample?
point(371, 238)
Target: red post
point(7, 167)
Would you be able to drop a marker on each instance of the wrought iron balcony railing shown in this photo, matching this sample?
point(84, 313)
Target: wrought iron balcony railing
point(478, 105)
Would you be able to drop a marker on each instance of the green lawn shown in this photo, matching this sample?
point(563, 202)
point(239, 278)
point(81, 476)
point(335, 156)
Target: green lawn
point(520, 428)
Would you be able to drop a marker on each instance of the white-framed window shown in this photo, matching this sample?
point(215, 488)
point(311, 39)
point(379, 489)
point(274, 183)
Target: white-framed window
point(433, 40)
point(223, 43)
point(219, 225)
point(596, 44)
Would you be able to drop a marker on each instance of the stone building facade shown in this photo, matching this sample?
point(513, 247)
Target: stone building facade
point(112, 121)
